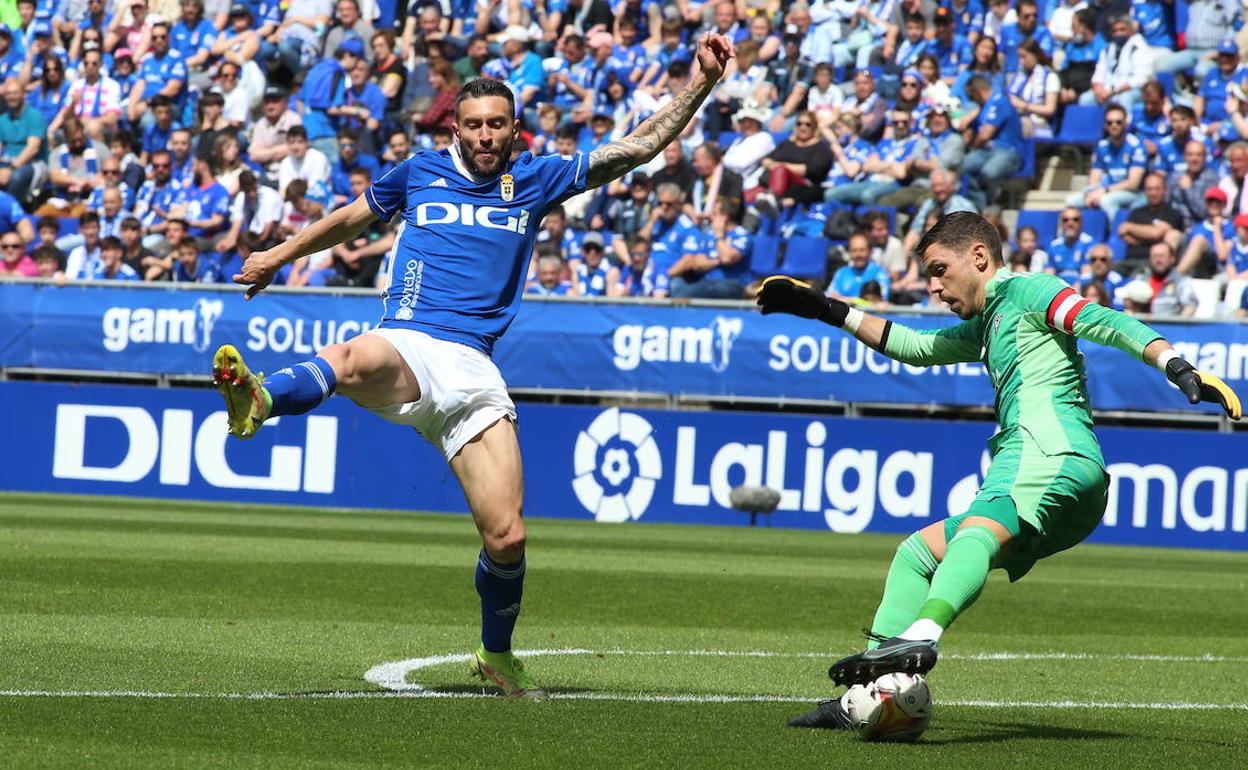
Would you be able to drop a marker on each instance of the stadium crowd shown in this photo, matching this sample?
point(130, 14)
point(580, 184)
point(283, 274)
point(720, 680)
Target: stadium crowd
point(165, 140)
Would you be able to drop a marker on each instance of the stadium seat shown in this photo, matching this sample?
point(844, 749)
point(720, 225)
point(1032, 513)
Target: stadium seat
point(1082, 126)
point(765, 254)
point(1094, 224)
point(1234, 296)
point(67, 226)
point(1045, 223)
point(1208, 293)
point(779, 137)
point(1119, 218)
point(728, 137)
point(806, 257)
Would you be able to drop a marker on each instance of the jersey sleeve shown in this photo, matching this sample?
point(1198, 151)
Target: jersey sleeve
point(1060, 307)
point(932, 347)
point(563, 176)
point(388, 194)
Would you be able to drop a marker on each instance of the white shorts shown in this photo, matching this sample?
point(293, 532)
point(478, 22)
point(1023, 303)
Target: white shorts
point(461, 390)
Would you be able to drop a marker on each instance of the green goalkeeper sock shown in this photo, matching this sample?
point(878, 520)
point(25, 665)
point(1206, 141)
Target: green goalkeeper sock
point(960, 577)
point(909, 579)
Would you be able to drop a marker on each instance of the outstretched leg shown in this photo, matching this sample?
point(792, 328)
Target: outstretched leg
point(367, 369)
point(490, 472)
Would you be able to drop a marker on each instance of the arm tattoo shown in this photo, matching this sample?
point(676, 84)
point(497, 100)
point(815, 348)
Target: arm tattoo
point(647, 140)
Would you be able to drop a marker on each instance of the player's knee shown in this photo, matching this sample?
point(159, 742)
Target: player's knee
point(505, 541)
point(342, 361)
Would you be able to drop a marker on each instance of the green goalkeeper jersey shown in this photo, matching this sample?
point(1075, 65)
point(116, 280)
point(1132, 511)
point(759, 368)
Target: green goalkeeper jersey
point(1025, 338)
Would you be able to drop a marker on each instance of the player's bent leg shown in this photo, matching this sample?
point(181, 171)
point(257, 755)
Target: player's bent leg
point(371, 372)
point(905, 589)
point(492, 477)
point(247, 401)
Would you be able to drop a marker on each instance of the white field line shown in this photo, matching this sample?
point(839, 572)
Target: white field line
point(392, 678)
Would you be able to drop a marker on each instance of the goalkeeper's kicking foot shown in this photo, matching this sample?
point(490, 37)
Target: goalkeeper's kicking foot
point(506, 671)
point(893, 656)
point(828, 715)
point(247, 402)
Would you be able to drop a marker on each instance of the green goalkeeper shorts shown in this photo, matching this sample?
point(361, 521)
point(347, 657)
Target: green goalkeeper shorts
point(1048, 502)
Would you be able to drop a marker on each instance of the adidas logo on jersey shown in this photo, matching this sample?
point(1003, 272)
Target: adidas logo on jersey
point(439, 182)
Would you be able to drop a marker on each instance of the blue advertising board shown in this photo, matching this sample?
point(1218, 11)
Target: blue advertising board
point(606, 464)
point(593, 346)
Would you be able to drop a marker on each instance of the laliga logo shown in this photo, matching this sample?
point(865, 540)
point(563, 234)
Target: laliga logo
point(616, 464)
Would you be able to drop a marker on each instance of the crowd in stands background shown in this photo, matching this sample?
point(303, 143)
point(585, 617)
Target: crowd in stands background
point(164, 140)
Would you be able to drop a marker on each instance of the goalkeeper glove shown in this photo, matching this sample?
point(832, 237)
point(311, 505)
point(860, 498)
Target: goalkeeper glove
point(1201, 386)
point(782, 294)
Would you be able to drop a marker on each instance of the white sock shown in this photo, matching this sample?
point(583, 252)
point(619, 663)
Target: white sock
point(922, 630)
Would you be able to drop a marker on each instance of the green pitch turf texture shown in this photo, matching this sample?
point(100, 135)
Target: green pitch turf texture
point(103, 596)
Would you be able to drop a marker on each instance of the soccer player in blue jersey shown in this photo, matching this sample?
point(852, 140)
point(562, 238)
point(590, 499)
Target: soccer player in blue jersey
point(469, 218)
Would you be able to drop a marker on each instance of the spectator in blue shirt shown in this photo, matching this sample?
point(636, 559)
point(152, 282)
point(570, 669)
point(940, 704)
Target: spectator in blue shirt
point(549, 281)
point(1210, 101)
point(886, 166)
point(323, 96)
point(1117, 168)
point(1172, 148)
point(986, 64)
point(1068, 252)
point(1152, 17)
point(1148, 116)
point(1209, 240)
point(207, 203)
point(110, 266)
point(1028, 26)
point(162, 72)
point(952, 50)
point(349, 159)
point(995, 142)
point(671, 233)
point(192, 37)
point(847, 281)
point(968, 18)
point(362, 108)
point(1081, 54)
point(638, 278)
point(591, 277)
point(156, 136)
point(524, 68)
point(10, 60)
point(1101, 270)
point(193, 267)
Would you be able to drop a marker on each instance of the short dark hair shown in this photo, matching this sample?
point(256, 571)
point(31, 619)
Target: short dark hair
point(297, 132)
point(566, 132)
point(131, 223)
point(481, 88)
point(53, 223)
point(111, 242)
point(47, 251)
point(960, 231)
point(160, 100)
point(89, 218)
point(1115, 107)
point(1183, 110)
point(349, 133)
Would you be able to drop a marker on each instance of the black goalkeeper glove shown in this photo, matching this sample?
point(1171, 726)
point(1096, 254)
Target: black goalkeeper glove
point(1201, 386)
point(782, 294)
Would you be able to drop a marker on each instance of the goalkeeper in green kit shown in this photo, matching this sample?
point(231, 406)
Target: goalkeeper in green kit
point(1046, 488)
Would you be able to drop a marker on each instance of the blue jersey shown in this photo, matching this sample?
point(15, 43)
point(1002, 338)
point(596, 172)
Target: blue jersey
point(191, 40)
point(1238, 258)
point(1012, 37)
point(1068, 259)
point(1150, 129)
point(1213, 88)
point(590, 282)
point(646, 282)
point(464, 243)
point(1205, 230)
point(205, 203)
point(1000, 113)
point(340, 173)
point(848, 280)
point(671, 241)
point(156, 72)
point(952, 58)
point(535, 289)
point(1170, 152)
point(1112, 281)
point(858, 151)
point(1154, 26)
point(1115, 162)
point(969, 19)
point(1083, 53)
point(151, 197)
point(741, 240)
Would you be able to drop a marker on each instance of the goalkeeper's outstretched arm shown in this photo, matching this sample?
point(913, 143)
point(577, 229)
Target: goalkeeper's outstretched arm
point(951, 345)
point(1064, 310)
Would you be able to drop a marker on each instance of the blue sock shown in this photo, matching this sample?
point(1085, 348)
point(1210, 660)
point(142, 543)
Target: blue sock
point(300, 388)
point(500, 587)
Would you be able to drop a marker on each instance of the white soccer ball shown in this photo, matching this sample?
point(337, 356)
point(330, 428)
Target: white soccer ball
point(895, 707)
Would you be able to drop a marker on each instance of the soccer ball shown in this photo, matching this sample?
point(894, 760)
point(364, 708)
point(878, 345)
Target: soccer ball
point(895, 707)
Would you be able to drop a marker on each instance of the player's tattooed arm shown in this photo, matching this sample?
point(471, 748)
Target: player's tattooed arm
point(661, 129)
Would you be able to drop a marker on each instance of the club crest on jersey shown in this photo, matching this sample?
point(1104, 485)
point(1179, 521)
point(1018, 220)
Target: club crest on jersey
point(507, 187)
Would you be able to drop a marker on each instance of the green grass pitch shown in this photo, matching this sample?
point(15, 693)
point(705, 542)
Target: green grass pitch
point(195, 601)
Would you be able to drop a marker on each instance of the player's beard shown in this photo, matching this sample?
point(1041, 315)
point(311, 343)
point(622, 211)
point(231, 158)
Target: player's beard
point(502, 153)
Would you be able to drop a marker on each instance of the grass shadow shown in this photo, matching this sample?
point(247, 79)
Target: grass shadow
point(1000, 732)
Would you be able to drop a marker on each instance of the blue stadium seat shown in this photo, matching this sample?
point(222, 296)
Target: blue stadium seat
point(779, 137)
point(68, 226)
point(727, 137)
point(1081, 126)
point(1095, 223)
point(1028, 169)
point(1045, 223)
point(1119, 218)
point(765, 254)
point(806, 257)
point(1167, 80)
